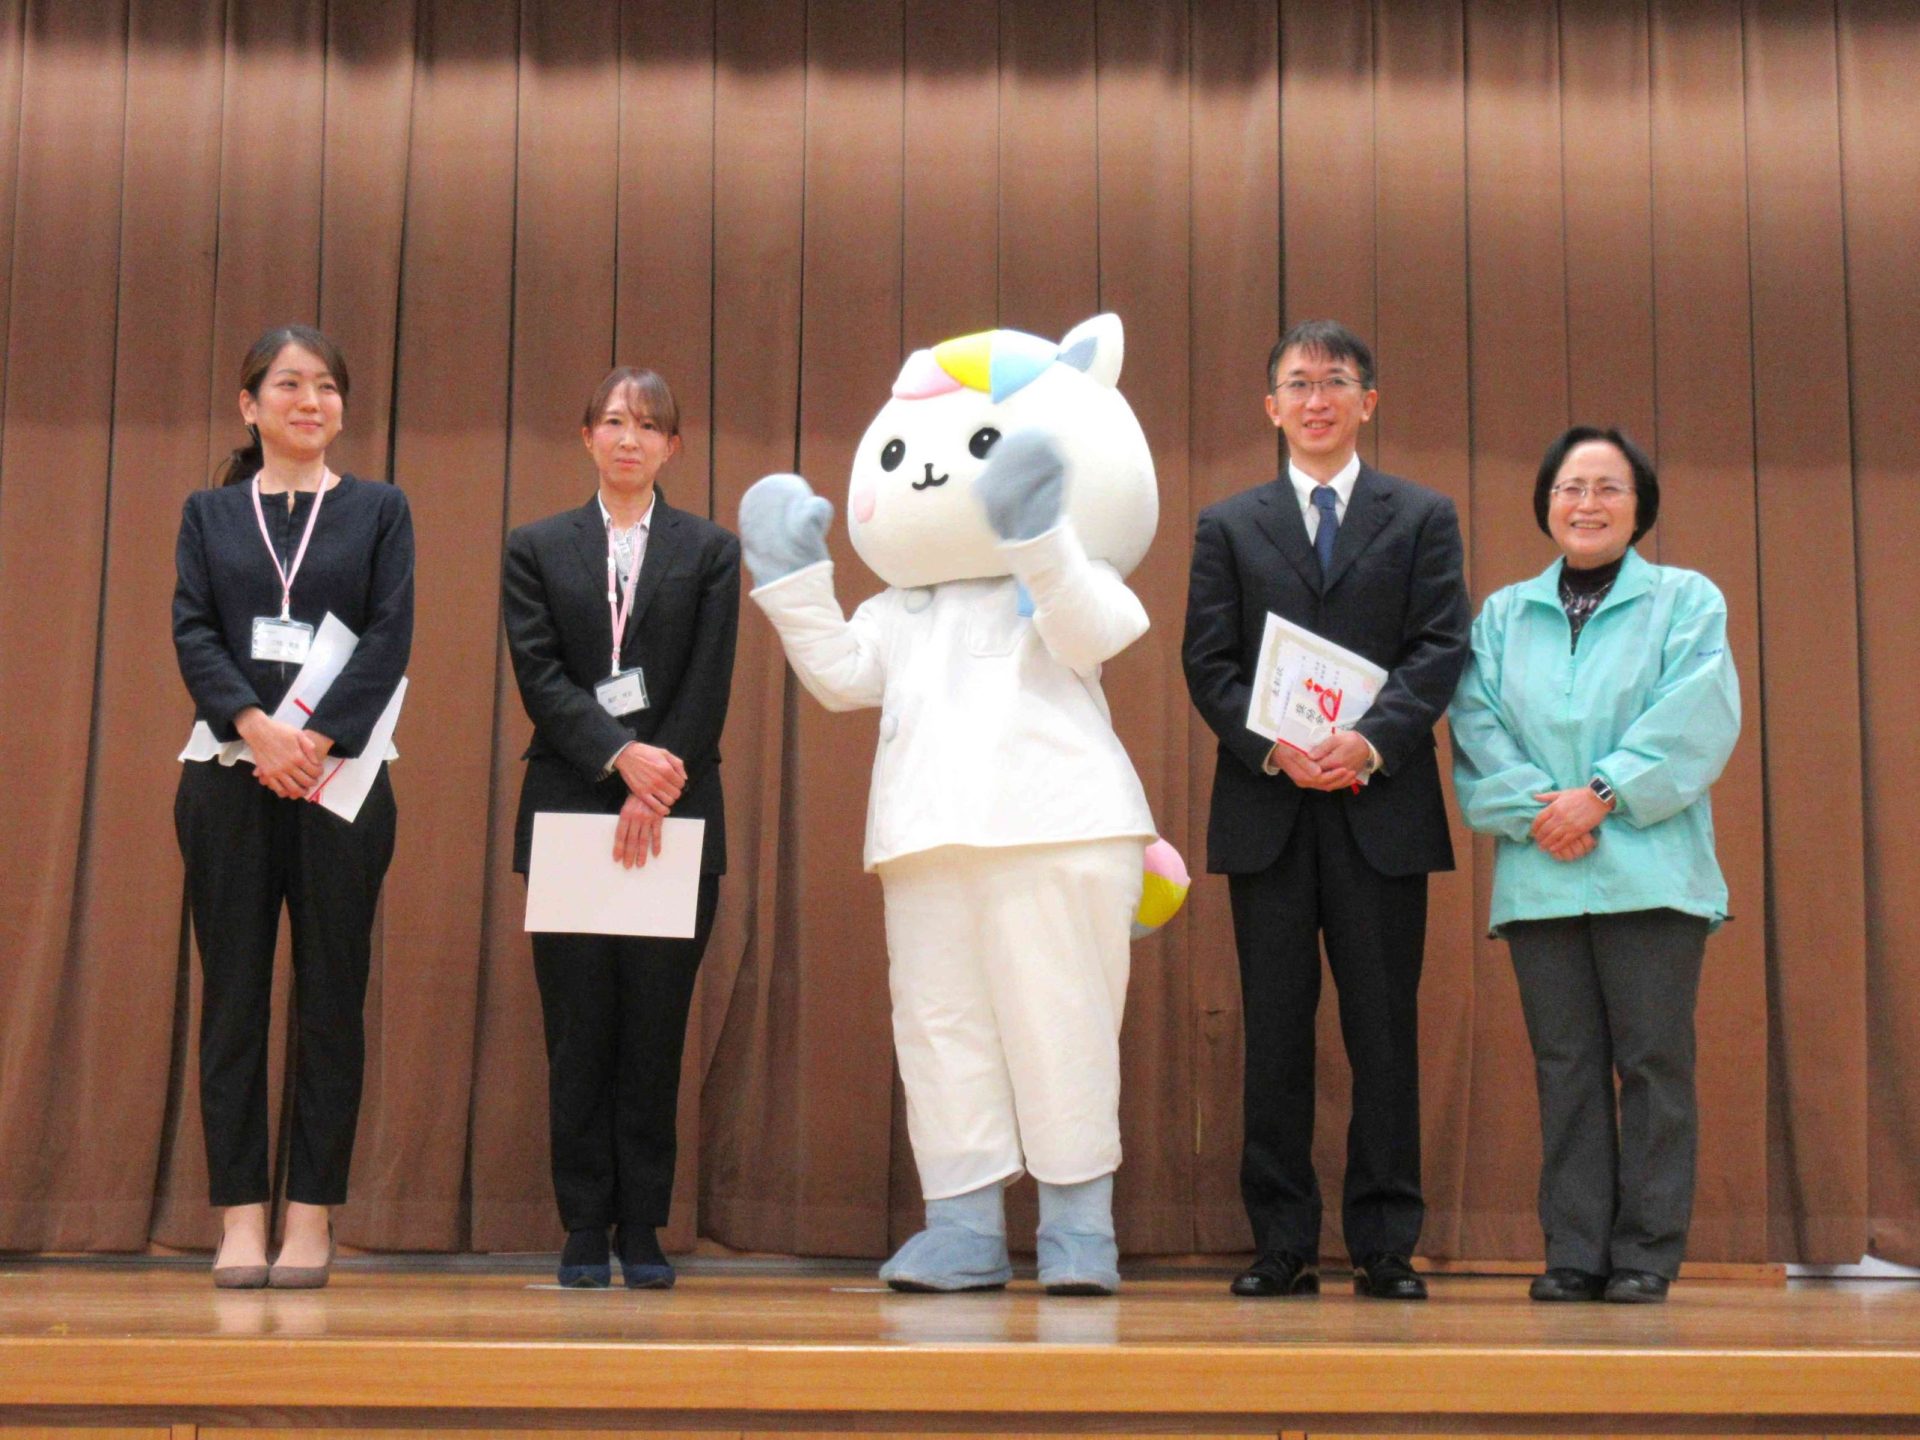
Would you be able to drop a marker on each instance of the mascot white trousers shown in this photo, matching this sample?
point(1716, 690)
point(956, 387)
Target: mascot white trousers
point(1009, 980)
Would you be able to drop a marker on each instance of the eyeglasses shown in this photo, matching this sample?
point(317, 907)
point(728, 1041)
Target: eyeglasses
point(1607, 492)
point(1334, 387)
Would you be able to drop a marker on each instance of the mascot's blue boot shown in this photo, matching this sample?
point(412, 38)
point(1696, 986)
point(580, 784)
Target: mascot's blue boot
point(1075, 1246)
point(964, 1246)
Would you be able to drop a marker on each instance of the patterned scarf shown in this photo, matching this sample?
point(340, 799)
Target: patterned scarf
point(1582, 591)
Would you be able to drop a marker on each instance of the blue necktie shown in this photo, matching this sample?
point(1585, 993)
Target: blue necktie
point(1324, 500)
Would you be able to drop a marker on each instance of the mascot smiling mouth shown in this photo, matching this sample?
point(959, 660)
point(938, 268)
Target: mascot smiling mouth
point(930, 481)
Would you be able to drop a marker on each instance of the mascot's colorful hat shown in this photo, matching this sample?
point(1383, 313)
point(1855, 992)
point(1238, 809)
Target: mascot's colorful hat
point(998, 363)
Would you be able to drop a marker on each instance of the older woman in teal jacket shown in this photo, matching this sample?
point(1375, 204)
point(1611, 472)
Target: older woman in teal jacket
point(1599, 705)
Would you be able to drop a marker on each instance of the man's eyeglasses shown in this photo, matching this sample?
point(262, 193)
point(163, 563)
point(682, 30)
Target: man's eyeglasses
point(1334, 387)
point(1607, 492)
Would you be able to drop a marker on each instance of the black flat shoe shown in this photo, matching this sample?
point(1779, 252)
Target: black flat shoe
point(1563, 1282)
point(1388, 1277)
point(586, 1263)
point(643, 1266)
point(1636, 1287)
point(1277, 1273)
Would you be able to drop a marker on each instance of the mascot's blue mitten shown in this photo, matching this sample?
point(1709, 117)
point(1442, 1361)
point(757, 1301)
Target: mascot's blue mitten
point(783, 527)
point(964, 1246)
point(1023, 485)
point(1075, 1246)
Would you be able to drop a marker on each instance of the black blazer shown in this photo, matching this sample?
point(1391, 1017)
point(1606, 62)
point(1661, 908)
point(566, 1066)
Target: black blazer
point(686, 613)
point(1395, 594)
point(359, 566)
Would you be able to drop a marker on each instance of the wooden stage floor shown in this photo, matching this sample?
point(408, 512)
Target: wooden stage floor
point(153, 1348)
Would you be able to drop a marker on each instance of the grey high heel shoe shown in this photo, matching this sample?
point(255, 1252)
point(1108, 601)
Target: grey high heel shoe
point(302, 1277)
point(236, 1277)
point(240, 1277)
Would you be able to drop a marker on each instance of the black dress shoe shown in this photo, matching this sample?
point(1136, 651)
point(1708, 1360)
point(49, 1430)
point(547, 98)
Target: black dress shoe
point(585, 1264)
point(1277, 1273)
point(1563, 1282)
point(1388, 1277)
point(642, 1265)
point(1636, 1287)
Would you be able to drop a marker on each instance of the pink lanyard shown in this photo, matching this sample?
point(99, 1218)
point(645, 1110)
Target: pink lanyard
point(286, 575)
point(620, 609)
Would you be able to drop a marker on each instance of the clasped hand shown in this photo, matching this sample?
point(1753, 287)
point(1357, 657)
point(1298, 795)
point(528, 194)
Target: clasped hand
point(286, 760)
point(1334, 764)
point(655, 779)
point(1565, 826)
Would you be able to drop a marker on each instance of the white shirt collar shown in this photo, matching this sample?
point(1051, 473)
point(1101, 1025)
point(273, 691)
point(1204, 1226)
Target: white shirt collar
point(646, 520)
point(1343, 483)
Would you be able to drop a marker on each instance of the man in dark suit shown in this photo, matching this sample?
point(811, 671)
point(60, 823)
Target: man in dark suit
point(1336, 843)
point(631, 729)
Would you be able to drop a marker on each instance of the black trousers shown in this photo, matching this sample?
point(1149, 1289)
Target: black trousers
point(248, 852)
point(1375, 928)
point(1607, 993)
point(615, 1008)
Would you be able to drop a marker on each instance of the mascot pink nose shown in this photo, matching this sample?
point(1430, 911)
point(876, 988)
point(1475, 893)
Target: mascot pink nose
point(862, 501)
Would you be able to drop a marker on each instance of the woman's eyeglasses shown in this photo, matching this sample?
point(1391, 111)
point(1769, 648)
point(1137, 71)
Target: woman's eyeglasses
point(1607, 492)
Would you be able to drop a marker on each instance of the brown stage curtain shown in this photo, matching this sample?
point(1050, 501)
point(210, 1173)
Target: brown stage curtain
point(1693, 219)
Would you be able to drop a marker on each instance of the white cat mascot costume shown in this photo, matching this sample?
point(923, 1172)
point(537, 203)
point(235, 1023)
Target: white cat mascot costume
point(1002, 494)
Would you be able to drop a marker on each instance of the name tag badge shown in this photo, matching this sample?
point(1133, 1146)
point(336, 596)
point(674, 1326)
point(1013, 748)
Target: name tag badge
point(287, 641)
point(622, 694)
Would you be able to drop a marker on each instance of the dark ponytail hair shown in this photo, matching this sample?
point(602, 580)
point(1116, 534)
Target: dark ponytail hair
point(245, 462)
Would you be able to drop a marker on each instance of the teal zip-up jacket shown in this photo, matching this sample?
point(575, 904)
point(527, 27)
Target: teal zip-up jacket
point(1648, 701)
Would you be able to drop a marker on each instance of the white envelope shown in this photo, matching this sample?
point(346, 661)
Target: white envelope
point(333, 645)
point(344, 787)
point(576, 887)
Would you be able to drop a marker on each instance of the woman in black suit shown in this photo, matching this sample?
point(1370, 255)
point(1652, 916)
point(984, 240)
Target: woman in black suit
point(629, 726)
point(262, 561)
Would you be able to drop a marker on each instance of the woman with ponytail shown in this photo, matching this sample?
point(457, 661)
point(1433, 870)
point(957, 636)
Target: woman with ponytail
point(262, 561)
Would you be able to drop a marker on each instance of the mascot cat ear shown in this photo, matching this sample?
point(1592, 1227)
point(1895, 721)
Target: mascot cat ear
point(1097, 347)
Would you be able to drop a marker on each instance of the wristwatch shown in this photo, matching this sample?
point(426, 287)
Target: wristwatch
point(1602, 791)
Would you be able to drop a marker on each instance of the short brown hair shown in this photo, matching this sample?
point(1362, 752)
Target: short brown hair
point(653, 395)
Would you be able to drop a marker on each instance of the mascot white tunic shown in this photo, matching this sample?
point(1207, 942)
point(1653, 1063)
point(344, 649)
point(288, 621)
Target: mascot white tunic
point(1002, 494)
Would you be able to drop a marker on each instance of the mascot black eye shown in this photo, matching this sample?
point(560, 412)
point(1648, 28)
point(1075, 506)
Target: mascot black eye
point(984, 439)
point(892, 454)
